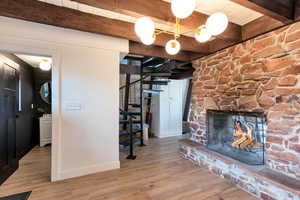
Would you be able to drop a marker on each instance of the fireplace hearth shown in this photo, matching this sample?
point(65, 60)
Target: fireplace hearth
point(239, 135)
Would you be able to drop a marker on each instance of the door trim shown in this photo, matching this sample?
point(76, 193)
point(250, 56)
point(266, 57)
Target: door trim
point(17, 45)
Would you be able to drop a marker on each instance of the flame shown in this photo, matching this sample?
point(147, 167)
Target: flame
point(244, 139)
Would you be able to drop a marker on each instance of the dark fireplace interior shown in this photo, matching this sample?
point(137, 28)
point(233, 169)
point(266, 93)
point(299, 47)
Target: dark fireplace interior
point(239, 135)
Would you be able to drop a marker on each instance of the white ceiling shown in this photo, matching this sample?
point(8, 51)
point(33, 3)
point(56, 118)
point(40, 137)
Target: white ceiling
point(235, 12)
point(34, 61)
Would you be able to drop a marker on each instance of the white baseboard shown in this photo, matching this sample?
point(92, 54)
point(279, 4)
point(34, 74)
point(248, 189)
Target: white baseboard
point(89, 170)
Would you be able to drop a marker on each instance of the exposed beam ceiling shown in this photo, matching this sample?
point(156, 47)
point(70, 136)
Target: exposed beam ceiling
point(41, 12)
point(160, 11)
point(236, 13)
point(36, 11)
point(156, 51)
point(281, 10)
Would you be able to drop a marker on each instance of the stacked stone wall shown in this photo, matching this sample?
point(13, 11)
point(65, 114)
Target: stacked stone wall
point(259, 75)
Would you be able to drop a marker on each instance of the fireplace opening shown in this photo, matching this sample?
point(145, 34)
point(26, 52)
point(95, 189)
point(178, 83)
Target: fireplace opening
point(239, 135)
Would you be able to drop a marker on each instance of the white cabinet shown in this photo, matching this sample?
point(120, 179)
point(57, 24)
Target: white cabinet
point(167, 110)
point(45, 130)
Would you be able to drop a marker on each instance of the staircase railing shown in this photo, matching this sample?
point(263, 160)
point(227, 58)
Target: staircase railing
point(134, 82)
point(130, 116)
point(131, 132)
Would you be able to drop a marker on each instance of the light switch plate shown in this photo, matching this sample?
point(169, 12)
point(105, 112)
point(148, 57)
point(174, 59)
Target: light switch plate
point(73, 106)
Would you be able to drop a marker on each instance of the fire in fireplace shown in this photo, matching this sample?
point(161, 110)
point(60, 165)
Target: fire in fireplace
point(239, 135)
point(244, 138)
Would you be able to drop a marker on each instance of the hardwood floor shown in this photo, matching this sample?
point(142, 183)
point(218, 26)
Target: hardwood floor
point(159, 173)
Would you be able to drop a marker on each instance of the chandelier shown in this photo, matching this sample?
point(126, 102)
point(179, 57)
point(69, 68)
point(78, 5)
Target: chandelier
point(215, 25)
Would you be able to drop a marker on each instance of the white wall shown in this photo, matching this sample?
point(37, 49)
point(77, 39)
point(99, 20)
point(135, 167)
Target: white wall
point(86, 74)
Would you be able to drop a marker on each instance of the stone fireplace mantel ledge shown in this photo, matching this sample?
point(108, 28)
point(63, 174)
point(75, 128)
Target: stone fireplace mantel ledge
point(260, 175)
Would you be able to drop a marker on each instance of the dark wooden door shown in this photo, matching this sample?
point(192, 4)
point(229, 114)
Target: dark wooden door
point(8, 156)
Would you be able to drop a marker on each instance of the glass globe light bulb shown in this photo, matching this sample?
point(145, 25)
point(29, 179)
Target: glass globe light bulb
point(183, 8)
point(144, 27)
point(148, 40)
point(217, 23)
point(45, 65)
point(202, 35)
point(173, 47)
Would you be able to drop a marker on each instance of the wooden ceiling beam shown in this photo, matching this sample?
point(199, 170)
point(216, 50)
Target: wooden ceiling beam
point(157, 51)
point(183, 75)
point(297, 10)
point(260, 26)
point(133, 69)
point(160, 12)
point(40, 12)
point(281, 10)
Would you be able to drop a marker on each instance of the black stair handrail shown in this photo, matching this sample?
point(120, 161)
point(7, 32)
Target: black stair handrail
point(146, 76)
point(131, 132)
point(131, 156)
point(129, 116)
point(134, 82)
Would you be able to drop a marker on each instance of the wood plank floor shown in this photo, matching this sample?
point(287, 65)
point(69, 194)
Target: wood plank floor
point(159, 173)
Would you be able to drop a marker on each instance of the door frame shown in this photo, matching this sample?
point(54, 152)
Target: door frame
point(27, 46)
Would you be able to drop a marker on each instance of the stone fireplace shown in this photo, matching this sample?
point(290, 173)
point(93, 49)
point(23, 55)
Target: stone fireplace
point(260, 76)
point(239, 135)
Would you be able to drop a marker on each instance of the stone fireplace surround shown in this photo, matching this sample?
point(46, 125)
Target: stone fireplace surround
point(259, 75)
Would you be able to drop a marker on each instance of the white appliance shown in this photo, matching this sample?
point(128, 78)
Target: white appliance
point(45, 130)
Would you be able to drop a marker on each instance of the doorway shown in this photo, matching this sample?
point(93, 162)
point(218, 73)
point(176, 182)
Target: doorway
point(25, 106)
point(168, 108)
